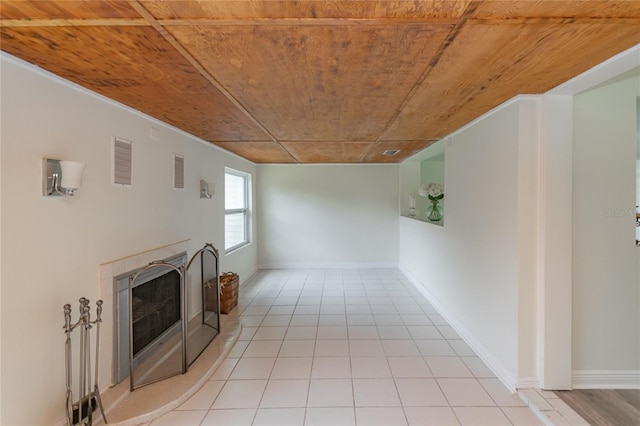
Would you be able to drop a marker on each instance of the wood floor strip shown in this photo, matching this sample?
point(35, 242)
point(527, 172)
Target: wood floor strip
point(605, 407)
point(631, 396)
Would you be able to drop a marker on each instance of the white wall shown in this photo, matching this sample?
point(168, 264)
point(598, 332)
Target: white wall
point(534, 222)
point(638, 159)
point(331, 215)
point(1, 350)
point(606, 281)
point(554, 245)
point(472, 268)
point(52, 247)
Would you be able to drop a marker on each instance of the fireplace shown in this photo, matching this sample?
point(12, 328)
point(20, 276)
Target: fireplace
point(165, 312)
point(154, 305)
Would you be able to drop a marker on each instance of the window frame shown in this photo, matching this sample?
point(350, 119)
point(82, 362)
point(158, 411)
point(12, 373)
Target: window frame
point(245, 211)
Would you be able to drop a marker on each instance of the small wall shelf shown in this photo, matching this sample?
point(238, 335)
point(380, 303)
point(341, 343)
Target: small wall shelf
point(424, 219)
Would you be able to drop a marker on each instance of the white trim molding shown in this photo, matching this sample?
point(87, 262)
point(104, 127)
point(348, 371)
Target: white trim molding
point(325, 265)
point(554, 294)
point(606, 379)
point(73, 86)
point(612, 67)
point(528, 383)
point(510, 381)
point(246, 276)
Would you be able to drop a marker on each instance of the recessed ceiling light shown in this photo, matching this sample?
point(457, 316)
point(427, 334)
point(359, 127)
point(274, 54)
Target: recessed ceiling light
point(391, 152)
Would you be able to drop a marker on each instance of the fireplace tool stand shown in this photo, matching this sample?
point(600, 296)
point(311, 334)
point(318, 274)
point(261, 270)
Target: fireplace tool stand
point(80, 412)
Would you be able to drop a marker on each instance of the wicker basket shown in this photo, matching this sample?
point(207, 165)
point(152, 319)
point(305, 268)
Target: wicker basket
point(229, 283)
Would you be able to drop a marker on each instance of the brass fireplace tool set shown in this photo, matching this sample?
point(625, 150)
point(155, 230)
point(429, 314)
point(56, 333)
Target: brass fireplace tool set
point(80, 412)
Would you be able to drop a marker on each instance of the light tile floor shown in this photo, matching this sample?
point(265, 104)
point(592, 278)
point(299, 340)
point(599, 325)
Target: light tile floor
point(347, 347)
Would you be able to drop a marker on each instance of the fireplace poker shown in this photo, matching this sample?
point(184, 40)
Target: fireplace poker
point(96, 390)
point(81, 412)
point(87, 362)
point(67, 354)
point(83, 354)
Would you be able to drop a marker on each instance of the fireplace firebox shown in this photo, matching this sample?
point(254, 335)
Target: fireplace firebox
point(154, 305)
point(156, 309)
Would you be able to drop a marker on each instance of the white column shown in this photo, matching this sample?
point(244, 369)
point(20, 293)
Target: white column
point(554, 256)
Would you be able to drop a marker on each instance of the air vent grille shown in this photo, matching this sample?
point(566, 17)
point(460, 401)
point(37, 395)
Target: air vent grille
point(178, 172)
point(122, 162)
point(391, 152)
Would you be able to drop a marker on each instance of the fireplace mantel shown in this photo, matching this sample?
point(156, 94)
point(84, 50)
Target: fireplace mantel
point(108, 271)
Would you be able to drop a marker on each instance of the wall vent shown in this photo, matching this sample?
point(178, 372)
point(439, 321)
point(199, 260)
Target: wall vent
point(122, 162)
point(178, 172)
point(391, 152)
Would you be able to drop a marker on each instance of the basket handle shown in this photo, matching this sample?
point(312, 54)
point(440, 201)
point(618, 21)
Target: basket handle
point(226, 274)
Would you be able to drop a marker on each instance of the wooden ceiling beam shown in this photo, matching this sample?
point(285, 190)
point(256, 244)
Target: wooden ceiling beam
point(106, 22)
point(119, 22)
point(125, 22)
point(555, 21)
point(308, 21)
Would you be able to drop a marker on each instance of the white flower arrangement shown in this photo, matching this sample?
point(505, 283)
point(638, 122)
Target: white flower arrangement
point(434, 191)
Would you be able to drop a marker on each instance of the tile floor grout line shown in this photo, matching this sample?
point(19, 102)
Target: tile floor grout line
point(356, 294)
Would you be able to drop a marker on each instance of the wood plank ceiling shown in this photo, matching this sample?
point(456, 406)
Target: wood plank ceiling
point(317, 81)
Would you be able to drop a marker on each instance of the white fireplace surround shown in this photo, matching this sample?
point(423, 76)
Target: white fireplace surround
point(108, 271)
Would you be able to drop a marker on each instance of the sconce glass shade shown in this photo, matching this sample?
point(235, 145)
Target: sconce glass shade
point(71, 174)
point(204, 190)
point(60, 177)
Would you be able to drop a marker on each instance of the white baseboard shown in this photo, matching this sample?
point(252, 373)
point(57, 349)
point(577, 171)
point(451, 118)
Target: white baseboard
point(605, 379)
point(496, 367)
point(528, 383)
point(325, 265)
point(245, 276)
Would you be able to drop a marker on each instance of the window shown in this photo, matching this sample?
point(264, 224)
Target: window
point(236, 209)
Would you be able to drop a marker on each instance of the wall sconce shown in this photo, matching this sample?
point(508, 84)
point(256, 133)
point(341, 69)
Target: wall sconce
point(204, 190)
point(61, 177)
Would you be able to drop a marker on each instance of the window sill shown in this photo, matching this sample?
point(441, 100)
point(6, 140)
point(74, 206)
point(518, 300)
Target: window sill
point(237, 248)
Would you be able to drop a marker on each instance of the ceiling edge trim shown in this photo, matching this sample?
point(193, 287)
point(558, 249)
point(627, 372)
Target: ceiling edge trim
point(259, 165)
point(612, 67)
point(4, 56)
point(494, 110)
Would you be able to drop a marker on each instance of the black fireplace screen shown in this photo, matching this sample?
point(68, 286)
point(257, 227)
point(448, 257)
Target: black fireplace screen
point(156, 308)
